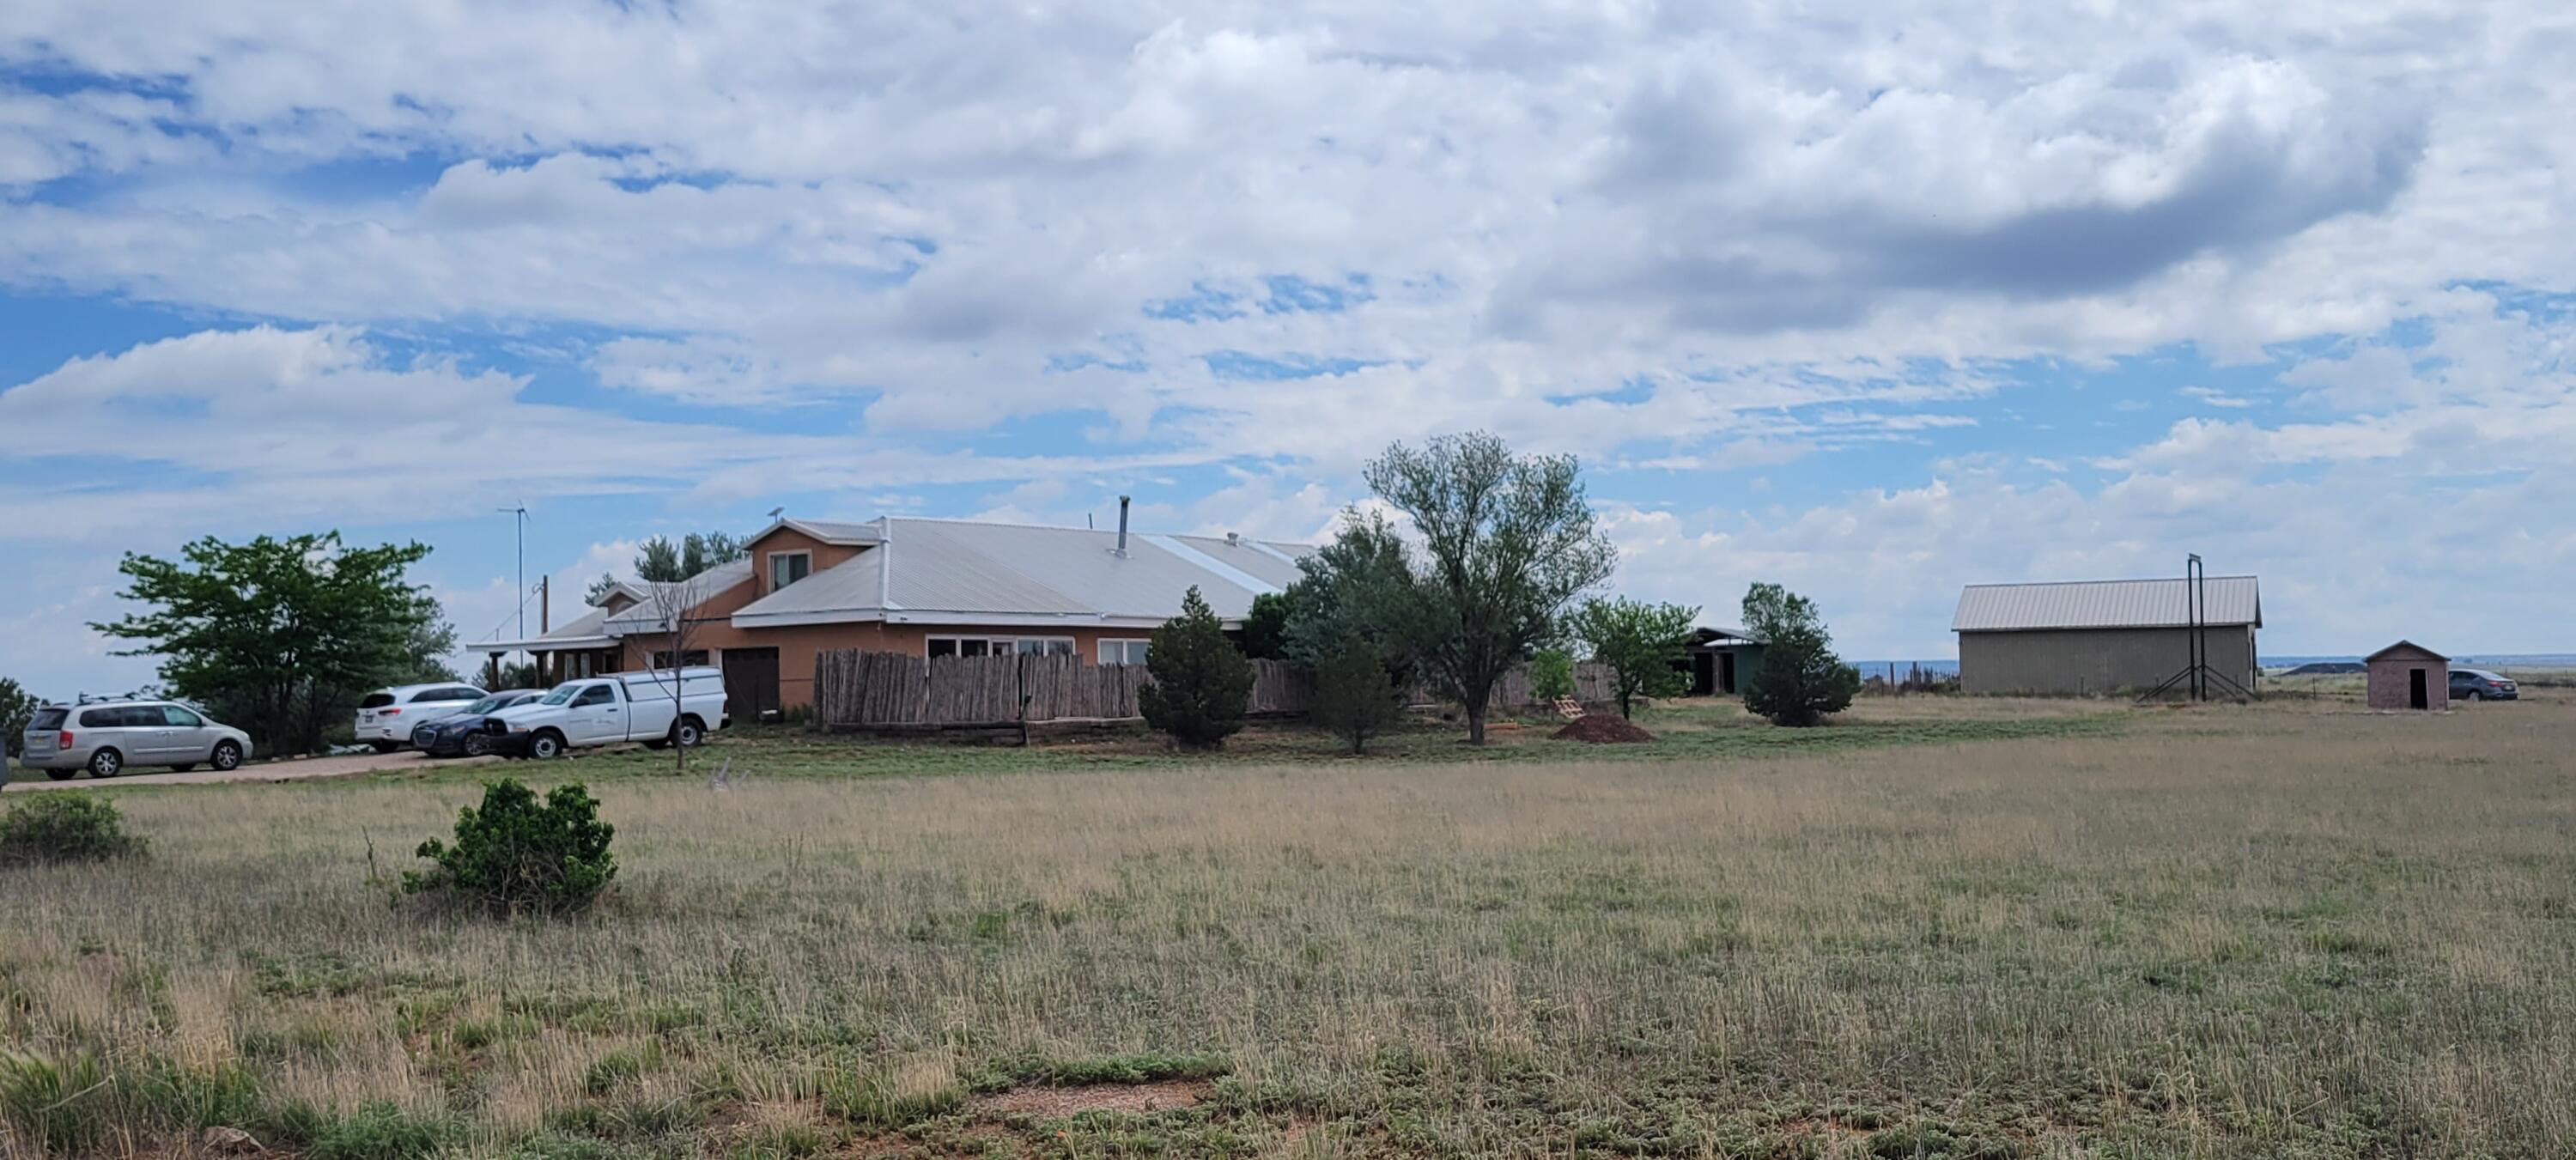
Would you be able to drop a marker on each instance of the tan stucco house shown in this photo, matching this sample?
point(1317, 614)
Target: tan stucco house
point(930, 587)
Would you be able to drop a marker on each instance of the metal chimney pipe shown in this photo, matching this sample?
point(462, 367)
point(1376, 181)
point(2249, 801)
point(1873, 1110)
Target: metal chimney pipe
point(1122, 526)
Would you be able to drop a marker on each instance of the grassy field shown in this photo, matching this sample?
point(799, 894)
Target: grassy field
point(1947, 928)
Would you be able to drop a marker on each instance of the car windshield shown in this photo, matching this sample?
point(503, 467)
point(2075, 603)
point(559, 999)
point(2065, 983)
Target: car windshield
point(561, 694)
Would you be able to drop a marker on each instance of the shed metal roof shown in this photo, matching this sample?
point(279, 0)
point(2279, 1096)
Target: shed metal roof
point(2163, 603)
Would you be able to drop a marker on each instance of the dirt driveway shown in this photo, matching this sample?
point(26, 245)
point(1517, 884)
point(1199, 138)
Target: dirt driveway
point(296, 770)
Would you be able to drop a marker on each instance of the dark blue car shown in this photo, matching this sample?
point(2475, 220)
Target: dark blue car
point(465, 733)
point(2481, 685)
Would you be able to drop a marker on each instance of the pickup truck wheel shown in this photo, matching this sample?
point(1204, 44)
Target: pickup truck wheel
point(689, 733)
point(546, 746)
point(227, 756)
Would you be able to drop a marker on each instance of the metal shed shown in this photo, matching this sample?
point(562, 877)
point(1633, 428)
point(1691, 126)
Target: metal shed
point(2104, 636)
point(2406, 675)
point(1722, 660)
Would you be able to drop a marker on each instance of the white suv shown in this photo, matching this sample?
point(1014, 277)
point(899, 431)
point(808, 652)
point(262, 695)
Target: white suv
point(386, 716)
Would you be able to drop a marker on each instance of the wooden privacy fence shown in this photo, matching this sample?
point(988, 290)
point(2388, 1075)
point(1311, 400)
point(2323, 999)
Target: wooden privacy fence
point(854, 689)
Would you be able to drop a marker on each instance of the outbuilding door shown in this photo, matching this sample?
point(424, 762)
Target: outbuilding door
point(2417, 697)
point(751, 683)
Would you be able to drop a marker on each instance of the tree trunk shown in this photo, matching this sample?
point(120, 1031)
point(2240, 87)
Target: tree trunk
point(1476, 721)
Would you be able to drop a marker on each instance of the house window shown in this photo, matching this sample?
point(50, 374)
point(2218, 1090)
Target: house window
point(786, 568)
point(1123, 652)
point(695, 656)
point(999, 646)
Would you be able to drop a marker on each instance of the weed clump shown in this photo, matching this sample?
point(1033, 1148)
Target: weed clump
point(65, 827)
point(517, 855)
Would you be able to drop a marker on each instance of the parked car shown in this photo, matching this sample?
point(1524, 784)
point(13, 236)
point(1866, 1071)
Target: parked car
point(467, 732)
point(385, 717)
point(614, 708)
point(109, 737)
point(2481, 685)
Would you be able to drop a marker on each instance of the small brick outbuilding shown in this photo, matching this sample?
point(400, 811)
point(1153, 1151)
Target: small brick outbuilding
point(2406, 675)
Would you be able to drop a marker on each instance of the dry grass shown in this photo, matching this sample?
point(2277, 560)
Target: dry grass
point(2281, 931)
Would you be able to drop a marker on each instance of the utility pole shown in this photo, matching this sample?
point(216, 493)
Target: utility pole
point(521, 526)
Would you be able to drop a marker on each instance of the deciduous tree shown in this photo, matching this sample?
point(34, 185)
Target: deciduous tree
point(281, 635)
point(1507, 543)
point(17, 706)
point(1644, 645)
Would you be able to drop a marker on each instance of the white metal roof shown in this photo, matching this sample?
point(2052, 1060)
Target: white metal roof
point(585, 631)
point(2165, 603)
point(645, 617)
point(827, 531)
point(928, 570)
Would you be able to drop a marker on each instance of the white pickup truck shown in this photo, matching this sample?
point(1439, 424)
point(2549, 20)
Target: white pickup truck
point(619, 707)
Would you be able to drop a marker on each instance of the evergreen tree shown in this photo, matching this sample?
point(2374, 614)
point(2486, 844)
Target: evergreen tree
point(1353, 696)
point(1800, 679)
point(1200, 683)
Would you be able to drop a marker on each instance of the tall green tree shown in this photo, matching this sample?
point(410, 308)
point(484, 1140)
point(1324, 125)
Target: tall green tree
point(280, 636)
point(1800, 679)
point(665, 561)
point(1265, 627)
point(1771, 609)
point(1551, 674)
point(1507, 543)
point(1200, 684)
point(1644, 644)
point(1353, 696)
point(599, 589)
point(1361, 583)
point(17, 706)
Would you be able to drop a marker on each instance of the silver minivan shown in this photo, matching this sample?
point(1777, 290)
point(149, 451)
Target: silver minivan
point(107, 737)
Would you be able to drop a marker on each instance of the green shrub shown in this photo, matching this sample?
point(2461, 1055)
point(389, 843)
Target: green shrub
point(65, 826)
point(377, 1131)
point(516, 855)
point(82, 1104)
point(1201, 684)
point(63, 1107)
point(878, 1102)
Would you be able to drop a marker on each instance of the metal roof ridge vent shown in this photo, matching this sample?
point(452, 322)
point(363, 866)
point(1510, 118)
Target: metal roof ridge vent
point(1222, 570)
point(885, 563)
point(1121, 550)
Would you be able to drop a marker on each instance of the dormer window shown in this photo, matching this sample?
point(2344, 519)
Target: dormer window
point(786, 568)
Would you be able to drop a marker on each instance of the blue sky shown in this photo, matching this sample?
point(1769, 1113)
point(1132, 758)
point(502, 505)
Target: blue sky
point(1874, 304)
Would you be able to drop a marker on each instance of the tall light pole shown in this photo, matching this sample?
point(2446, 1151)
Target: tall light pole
point(521, 526)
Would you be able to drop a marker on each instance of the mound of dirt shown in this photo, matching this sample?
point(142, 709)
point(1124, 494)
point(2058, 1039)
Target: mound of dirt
point(1602, 729)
